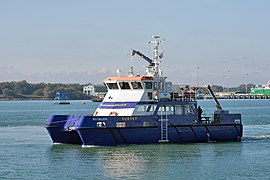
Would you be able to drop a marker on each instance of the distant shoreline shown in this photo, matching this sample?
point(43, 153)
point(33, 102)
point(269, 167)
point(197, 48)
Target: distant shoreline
point(22, 99)
point(34, 99)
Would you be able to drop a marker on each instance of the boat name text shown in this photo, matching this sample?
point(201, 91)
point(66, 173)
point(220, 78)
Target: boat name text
point(100, 119)
point(129, 118)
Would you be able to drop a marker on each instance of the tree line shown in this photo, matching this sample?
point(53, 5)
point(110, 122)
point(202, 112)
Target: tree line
point(243, 88)
point(26, 90)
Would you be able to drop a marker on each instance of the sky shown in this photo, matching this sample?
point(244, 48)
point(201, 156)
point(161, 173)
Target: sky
point(216, 42)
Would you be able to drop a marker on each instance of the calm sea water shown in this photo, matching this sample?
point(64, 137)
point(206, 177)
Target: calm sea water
point(26, 150)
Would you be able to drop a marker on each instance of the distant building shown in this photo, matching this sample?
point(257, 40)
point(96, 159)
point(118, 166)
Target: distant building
point(99, 90)
point(224, 94)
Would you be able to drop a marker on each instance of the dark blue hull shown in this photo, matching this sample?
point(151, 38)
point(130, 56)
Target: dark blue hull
point(58, 133)
point(147, 135)
point(59, 136)
point(122, 130)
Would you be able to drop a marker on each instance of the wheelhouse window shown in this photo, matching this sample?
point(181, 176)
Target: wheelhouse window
point(112, 85)
point(189, 109)
point(148, 85)
point(178, 109)
point(156, 85)
point(146, 108)
point(136, 85)
point(121, 124)
point(146, 124)
point(165, 110)
point(149, 95)
point(124, 85)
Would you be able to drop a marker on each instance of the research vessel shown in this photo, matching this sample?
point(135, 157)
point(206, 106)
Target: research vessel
point(143, 109)
point(61, 98)
point(263, 89)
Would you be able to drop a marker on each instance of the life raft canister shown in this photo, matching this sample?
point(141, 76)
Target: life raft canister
point(155, 93)
point(113, 113)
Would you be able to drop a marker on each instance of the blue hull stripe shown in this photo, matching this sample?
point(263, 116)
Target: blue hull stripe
point(121, 105)
point(117, 105)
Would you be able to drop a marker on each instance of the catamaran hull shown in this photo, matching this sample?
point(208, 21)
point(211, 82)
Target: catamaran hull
point(58, 133)
point(66, 137)
point(146, 135)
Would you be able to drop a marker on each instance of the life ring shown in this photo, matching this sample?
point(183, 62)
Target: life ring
point(156, 93)
point(96, 113)
point(113, 113)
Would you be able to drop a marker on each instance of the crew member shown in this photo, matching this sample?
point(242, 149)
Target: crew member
point(199, 114)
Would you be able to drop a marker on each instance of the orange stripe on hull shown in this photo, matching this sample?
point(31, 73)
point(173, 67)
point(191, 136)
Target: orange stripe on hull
point(128, 78)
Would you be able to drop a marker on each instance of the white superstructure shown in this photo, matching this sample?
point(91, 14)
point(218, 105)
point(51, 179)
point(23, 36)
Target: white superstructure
point(135, 95)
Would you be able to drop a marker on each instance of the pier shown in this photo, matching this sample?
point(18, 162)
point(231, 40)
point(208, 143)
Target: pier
point(238, 95)
point(247, 96)
point(244, 96)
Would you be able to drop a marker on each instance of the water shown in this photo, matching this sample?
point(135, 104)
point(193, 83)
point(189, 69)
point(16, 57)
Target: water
point(26, 150)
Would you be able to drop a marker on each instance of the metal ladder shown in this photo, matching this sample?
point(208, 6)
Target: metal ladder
point(163, 127)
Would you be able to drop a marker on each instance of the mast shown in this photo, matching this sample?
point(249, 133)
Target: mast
point(153, 68)
point(156, 56)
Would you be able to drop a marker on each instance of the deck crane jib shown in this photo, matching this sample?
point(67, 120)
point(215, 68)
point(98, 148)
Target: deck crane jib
point(153, 68)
